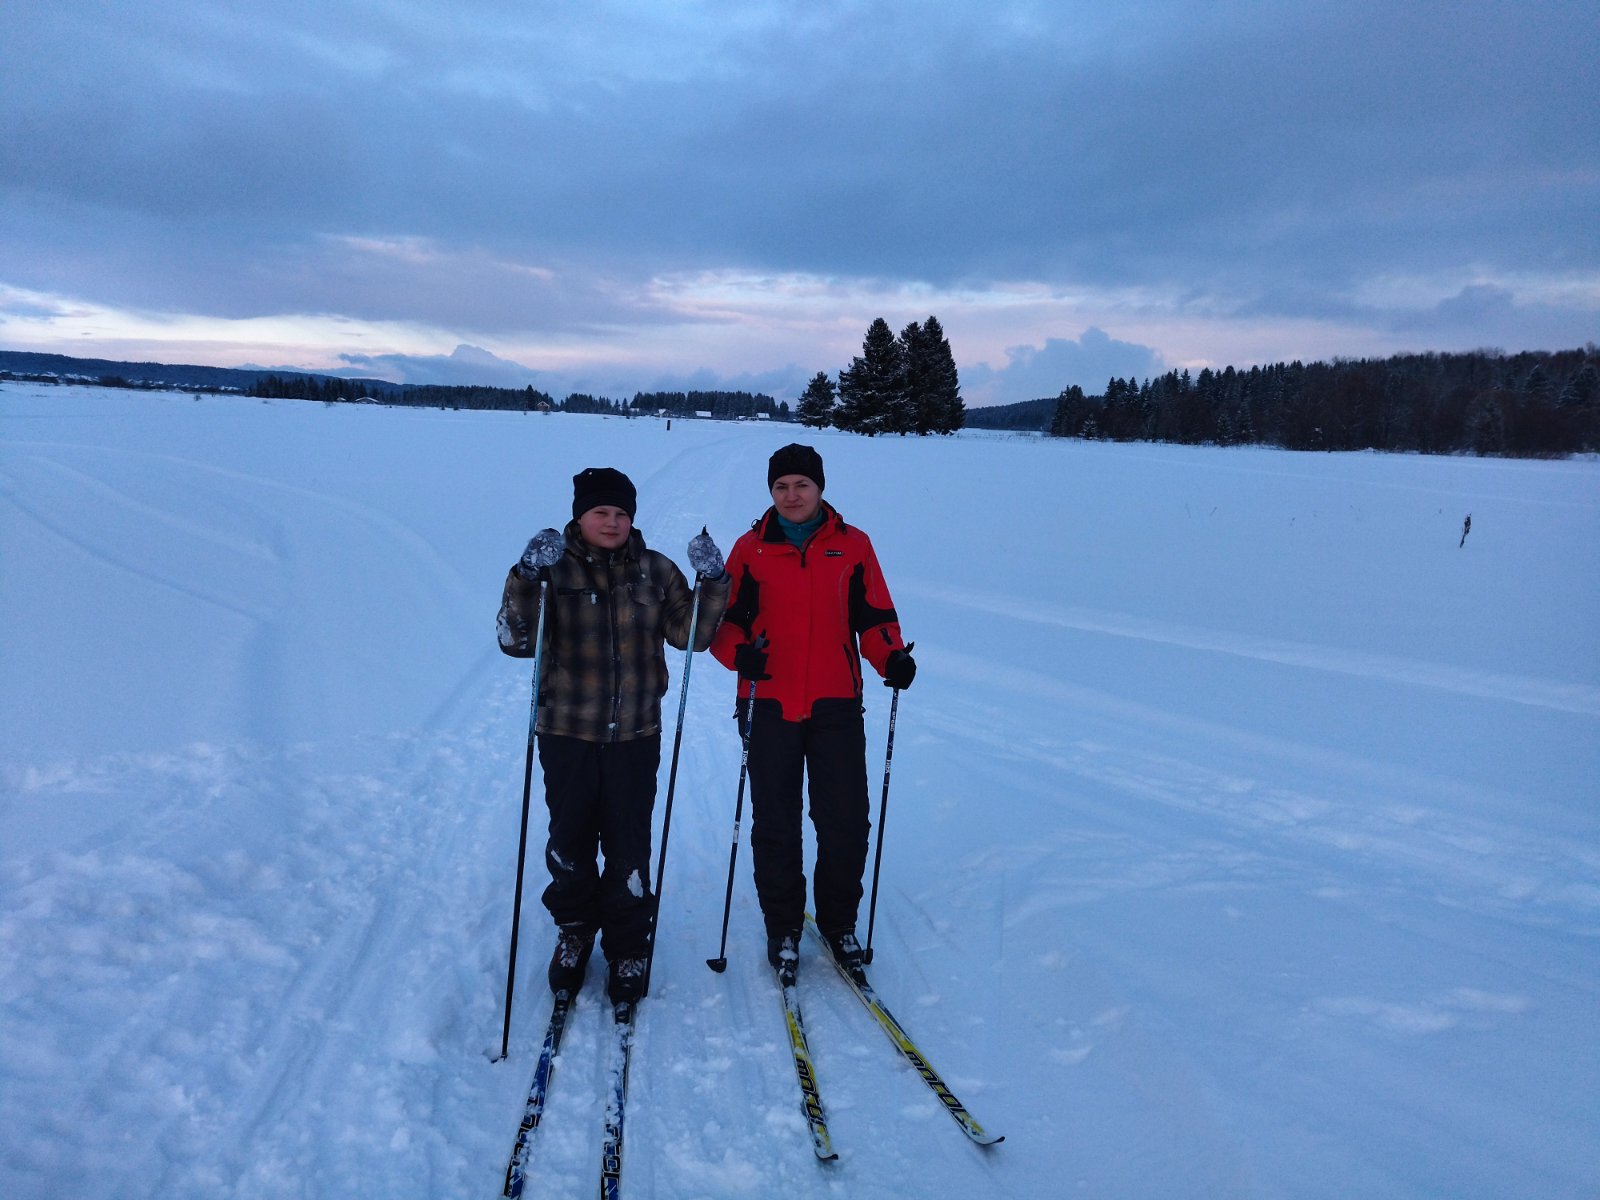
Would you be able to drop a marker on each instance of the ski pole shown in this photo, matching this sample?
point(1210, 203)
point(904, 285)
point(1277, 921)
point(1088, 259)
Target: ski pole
point(672, 781)
point(883, 815)
point(522, 841)
point(720, 963)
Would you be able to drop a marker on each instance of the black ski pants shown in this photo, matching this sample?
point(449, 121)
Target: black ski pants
point(829, 750)
point(600, 796)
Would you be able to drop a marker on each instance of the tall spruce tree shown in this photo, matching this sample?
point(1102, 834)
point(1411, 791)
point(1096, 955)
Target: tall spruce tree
point(872, 387)
point(936, 405)
point(816, 404)
point(910, 415)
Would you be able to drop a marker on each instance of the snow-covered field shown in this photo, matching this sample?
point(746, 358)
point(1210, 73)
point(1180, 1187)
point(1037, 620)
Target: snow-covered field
point(1243, 839)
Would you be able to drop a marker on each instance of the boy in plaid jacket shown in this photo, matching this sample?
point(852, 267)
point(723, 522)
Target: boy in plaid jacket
point(612, 606)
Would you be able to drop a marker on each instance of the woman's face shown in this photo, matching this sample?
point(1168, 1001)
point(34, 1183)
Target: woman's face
point(606, 527)
point(796, 497)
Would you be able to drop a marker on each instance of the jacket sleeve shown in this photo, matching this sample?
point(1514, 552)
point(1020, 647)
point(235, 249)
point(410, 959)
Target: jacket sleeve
point(872, 614)
point(740, 604)
point(680, 607)
point(519, 615)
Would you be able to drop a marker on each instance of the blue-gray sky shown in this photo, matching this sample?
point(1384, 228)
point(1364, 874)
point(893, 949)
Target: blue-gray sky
point(609, 196)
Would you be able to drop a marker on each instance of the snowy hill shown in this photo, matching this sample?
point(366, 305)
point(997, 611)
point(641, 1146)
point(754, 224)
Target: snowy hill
point(1242, 842)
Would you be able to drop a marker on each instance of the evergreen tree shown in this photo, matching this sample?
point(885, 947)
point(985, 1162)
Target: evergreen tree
point(938, 407)
point(1582, 390)
point(1075, 415)
point(910, 412)
point(816, 403)
point(871, 388)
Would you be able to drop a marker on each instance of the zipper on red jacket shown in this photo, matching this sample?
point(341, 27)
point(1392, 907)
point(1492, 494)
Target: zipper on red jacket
point(853, 662)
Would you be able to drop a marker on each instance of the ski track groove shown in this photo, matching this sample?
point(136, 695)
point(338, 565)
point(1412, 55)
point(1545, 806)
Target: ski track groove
point(1578, 698)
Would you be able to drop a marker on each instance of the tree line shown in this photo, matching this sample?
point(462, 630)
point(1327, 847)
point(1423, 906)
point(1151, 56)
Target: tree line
point(1484, 402)
point(897, 384)
point(722, 405)
point(332, 389)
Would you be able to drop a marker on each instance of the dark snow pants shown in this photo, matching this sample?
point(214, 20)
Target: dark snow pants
point(830, 751)
point(600, 796)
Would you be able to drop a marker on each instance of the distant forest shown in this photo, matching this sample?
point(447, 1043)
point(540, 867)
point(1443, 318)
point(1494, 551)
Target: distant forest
point(719, 405)
point(1533, 404)
point(1032, 416)
point(334, 389)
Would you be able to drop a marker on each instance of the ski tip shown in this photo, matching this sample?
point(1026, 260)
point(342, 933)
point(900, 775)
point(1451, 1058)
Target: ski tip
point(822, 1144)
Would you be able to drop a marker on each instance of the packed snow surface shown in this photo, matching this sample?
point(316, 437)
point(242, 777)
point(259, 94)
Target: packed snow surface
point(1242, 838)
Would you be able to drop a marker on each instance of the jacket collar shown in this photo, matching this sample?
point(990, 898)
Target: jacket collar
point(630, 551)
point(769, 530)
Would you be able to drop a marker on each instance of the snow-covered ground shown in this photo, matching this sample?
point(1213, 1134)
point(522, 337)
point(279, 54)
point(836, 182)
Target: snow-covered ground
point(1243, 839)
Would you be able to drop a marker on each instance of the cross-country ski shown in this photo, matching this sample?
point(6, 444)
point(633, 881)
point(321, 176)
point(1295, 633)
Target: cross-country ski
point(902, 1042)
point(538, 1095)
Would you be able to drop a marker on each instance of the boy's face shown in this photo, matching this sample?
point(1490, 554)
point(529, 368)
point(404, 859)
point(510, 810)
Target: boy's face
point(606, 527)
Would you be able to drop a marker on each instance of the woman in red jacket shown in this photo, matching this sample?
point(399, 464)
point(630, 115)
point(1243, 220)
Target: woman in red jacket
point(809, 604)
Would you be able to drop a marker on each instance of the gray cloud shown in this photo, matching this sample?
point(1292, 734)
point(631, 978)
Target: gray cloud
point(1475, 303)
point(544, 165)
point(465, 365)
point(1462, 319)
point(1034, 372)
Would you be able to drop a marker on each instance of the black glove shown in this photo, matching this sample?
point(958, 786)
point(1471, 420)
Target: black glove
point(750, 660)
point(899, 670)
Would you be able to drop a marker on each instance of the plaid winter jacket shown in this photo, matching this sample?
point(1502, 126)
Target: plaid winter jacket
point(604, 668)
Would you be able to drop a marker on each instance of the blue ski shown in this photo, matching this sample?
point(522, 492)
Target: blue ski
point(533, 1110)
point(616, 1103)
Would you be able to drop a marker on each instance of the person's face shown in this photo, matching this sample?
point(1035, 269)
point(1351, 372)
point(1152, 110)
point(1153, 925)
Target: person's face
point(796, 497)
point(606, 527)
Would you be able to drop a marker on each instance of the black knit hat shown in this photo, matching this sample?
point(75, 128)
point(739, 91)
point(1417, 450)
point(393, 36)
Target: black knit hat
point(795, 459)
point(595, 486)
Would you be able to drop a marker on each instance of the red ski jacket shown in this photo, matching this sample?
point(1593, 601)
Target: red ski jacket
point(821, 607)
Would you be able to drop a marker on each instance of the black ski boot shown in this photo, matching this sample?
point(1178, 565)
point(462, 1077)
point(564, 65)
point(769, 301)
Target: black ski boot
point(625, 981)
point(574, 944)
point(847, 953)
point(783, 952)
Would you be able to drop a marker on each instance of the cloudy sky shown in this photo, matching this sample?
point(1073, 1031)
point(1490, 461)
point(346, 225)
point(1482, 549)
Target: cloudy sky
point(607, 196)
